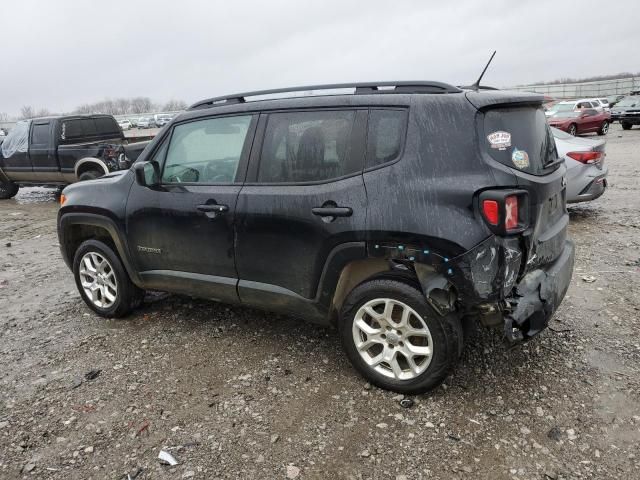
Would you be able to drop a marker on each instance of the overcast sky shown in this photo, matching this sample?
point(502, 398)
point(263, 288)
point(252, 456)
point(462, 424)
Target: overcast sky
point(60, 54)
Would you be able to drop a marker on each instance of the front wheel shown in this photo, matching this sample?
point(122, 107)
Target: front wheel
point(102, 280)
point(573, 129)
point(90, 175)
point(604, 128)
point(395, 339)
point(8, 190)
point(626, 125)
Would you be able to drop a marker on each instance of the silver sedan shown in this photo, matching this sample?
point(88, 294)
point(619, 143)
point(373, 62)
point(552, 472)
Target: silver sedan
point(586, 172)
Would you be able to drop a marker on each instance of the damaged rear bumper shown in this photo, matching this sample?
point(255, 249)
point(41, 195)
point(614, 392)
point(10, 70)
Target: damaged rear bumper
point(538, 295)
point(486, 281)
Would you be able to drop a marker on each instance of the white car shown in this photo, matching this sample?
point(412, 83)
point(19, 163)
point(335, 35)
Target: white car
point(572, 105)
point(124, 124)
point(586, 172)
point(604, 103)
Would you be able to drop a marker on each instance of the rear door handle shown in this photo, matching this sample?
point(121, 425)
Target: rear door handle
point(332, 211)
point(212, 210)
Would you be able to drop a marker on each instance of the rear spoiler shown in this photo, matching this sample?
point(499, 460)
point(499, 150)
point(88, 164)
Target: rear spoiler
point(489, 98)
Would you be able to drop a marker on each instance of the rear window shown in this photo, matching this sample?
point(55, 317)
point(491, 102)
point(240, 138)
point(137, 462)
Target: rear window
point(521, 139)
point(107, 125)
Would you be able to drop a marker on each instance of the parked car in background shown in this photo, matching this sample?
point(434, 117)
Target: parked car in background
point(627, 111)
point(161, 119)
point(586, 172)
point(124, 124)
point(571, 105)
point(604, 103)
point(145, 122)
point(581, 121)
point(613, 99)
point(56, 151)
point(393, 250)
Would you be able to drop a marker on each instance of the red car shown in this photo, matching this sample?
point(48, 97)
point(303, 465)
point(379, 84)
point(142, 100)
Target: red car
point(576, 122)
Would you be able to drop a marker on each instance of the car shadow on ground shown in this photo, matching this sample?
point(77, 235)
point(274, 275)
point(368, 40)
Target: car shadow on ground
point(486, 363)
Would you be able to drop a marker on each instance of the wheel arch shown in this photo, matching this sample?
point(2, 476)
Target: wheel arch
point(75, 228)
point(90, 163)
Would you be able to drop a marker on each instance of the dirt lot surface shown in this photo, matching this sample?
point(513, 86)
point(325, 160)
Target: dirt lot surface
point(232, 392)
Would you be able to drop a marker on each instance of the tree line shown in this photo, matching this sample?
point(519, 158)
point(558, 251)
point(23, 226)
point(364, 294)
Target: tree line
point(117, 106)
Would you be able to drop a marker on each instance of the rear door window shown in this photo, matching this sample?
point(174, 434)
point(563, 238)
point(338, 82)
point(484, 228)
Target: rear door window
point(385, 136)
point(309, 147)
point(521, 139)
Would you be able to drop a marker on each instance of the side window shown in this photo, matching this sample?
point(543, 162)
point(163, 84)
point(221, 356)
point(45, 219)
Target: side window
point(308, 146)
point(40, 134)
point(206, 151)
point(88, 127)
point(385, 135)
point(71, 129)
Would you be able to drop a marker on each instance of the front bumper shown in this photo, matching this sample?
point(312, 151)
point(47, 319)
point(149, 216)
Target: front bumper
point(538, 295)
point(633, 118)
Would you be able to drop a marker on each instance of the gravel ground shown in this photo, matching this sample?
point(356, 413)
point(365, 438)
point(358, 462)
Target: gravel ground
point(233, 392)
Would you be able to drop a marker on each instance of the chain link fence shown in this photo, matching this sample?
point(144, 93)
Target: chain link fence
point(600, 88)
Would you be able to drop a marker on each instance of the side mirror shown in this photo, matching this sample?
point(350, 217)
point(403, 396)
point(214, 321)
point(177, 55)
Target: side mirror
point(147, 173)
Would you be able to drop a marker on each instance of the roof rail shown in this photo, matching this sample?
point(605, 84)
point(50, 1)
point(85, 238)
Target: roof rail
point(359, 89)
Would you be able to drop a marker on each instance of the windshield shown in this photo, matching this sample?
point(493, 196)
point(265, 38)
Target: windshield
point(563, 107)
point(628, 102)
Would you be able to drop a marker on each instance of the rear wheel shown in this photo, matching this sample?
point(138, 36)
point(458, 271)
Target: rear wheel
point(626, 125)
point(572, 130)
point(102, 280)
point(395, 339)
point(90, 175)
point(8, 190)
point(604, 128)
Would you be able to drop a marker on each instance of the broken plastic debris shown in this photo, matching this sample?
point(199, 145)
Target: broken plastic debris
point(589, 278)
point(92, 374)
point(406, 403)
point(167, 457)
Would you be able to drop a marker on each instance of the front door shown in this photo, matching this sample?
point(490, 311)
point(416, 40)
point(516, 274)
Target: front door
point(181, 233)
point(304, 196)
point(42, 151)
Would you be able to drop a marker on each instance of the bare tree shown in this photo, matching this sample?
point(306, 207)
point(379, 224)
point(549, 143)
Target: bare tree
point(27, 112)
point(141, 105)
point(174, 105)
point(4, 117)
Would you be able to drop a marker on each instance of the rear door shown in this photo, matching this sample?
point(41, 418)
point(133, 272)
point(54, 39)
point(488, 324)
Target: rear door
point(304, 196)
point(181, 233)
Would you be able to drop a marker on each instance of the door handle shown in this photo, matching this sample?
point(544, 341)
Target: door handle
point(213, 210)
point(213, 207)
point(332, 211)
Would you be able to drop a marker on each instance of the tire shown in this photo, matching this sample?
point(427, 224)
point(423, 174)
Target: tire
point(442, 334)
point(626, 125)
point(8, 190)
point(114, 294)
point(90, 175)
point(604, 128)
point(573, 129)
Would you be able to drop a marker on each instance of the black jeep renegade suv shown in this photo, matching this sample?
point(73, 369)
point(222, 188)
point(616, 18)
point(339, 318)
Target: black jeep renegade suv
point(394, 211)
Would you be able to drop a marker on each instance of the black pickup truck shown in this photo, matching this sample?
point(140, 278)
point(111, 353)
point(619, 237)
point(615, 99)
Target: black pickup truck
point(57, 151)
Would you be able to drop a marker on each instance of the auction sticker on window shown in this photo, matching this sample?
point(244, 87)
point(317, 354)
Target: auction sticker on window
point(500, 140)
point(520, 158)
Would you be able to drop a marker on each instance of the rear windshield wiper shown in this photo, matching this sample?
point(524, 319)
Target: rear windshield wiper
point(556, 162)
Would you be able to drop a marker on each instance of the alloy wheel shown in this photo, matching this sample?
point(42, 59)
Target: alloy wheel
point(98, 280)
point(392, 339)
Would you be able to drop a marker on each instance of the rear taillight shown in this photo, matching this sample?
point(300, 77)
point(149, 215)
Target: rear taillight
point(490, 211)
point(511, 212)
point(586, 157)
point(505, 211)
